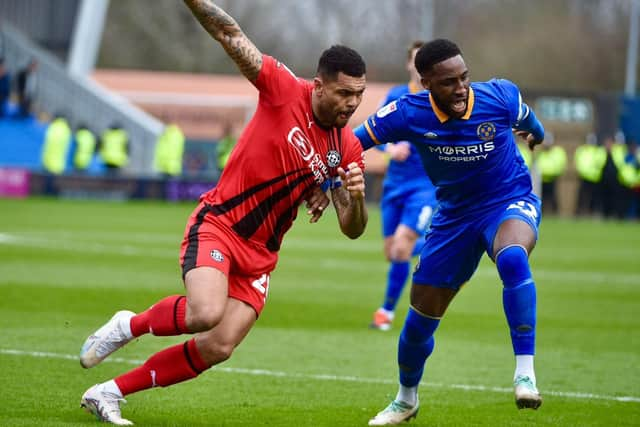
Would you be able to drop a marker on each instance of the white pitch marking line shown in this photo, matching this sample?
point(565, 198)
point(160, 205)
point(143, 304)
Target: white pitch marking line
point(327, 377)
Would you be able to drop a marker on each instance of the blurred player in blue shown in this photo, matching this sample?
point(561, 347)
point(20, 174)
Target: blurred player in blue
point(408, 201)
point(463, 132)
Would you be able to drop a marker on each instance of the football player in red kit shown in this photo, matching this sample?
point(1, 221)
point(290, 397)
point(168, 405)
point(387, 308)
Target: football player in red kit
point(295, 148)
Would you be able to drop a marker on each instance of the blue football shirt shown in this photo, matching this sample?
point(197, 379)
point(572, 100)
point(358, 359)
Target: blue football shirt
point(473, 161)
point(408, 175)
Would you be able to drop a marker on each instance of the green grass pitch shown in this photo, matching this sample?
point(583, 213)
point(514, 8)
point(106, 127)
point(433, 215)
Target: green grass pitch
point(66, 266)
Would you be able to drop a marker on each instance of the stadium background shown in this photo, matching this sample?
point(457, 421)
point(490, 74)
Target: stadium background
point(570, 58)
point(69, 259)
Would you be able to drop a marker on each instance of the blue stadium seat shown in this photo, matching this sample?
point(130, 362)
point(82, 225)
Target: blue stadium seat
point(21, 142)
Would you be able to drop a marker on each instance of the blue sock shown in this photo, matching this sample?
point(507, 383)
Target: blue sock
point(396, 278)
point(518, 297)
point(415, 345)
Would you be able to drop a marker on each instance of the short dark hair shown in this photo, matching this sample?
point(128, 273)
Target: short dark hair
point(416, 44)
point(433, 52)
point(338, 59)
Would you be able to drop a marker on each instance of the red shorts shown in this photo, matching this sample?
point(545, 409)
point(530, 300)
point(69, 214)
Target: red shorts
point(246, 264)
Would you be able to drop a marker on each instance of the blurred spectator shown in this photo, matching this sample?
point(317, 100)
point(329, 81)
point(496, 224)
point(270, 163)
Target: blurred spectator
point(633, 159)
point(114, 148)
point(85, 148)
point(5, 88)
point(589, 161)
point(55, 150)
point(226, 144)
point(196, 162)
point(169, 151)
point(551, 162)
point(525, 152)
point(26, 87)
point(617, 179)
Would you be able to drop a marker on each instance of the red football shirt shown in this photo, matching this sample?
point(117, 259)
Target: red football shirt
point(281, 155)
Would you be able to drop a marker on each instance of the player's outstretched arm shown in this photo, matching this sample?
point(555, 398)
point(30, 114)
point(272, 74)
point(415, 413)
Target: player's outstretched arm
point(348, 200)
point(228, 33)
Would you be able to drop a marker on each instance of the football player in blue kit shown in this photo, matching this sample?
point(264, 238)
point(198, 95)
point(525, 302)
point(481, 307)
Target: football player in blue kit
point(408, 202)
point(464, 134)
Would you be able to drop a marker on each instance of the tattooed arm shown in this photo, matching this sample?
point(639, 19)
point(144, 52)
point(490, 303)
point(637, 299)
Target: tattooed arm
point(226, 30)
point(349, 201)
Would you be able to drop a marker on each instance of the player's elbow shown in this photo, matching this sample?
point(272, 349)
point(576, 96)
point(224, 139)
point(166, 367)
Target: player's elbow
point(353, 234)
point(354, 229)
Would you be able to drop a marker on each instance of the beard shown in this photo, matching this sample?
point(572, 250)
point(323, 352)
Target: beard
point(448, 106)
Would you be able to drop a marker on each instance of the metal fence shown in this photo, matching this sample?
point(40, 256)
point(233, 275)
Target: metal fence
point(81, 100)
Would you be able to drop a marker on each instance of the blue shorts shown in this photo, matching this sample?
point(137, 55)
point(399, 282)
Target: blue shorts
point(413, 209)
point(451, 254)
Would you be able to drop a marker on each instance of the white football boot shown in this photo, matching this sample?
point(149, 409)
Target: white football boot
point(104, 405)
point(113, 335)
point(527, 395)
point(395, 413)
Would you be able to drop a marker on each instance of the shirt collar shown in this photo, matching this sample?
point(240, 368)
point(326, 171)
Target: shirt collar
point(443, 117)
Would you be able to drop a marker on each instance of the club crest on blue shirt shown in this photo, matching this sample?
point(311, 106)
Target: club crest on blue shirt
point(486, 131)
point(333, 158)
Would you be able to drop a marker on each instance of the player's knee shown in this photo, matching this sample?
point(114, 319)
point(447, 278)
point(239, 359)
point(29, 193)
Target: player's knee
point(401, 251)
point(513, 265)
point(222, 353)
point(215, 351)
point(203, 317)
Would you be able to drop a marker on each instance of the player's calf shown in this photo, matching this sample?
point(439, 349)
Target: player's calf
point(518, 297)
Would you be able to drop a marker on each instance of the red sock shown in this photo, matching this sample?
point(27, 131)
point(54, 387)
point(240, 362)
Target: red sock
point(169, 366)
point(165, 318)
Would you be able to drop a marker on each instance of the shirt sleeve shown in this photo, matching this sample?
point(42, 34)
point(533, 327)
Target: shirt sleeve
point(512, 100)
point(276, 82)
point(388, 124)
point(393, 94)
point(520, 115)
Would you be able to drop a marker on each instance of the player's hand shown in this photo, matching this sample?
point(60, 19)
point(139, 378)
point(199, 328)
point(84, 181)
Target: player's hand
point(353, 180)
point(528, 138)
point(316, 203)
point(398, 151)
